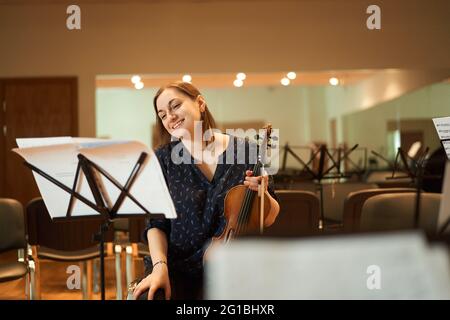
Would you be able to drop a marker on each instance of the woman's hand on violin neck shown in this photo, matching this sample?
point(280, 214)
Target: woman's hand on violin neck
point(158, 279)
point(254, 182)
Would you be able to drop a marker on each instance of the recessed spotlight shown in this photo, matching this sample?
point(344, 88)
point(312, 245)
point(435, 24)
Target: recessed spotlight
point(285, 81)
point(135, 79)
point(238, 83)
point(241, 76)
point(187, 78)
point(139, 85)
point(292, 75)
point(334, 81)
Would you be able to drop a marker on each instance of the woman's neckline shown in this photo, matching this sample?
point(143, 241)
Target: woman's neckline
point(230, 139)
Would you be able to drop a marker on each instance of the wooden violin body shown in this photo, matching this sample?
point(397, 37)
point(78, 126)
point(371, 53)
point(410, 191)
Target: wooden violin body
point(233, 205)
point(244, 209)
point(234, 228)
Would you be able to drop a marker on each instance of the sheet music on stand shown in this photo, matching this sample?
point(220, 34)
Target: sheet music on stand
point(442, 126)
point(444, 209)
point(58, 157)
point(85, 177)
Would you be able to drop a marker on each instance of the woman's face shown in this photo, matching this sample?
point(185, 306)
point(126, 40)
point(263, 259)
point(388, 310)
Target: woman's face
point(178, 112)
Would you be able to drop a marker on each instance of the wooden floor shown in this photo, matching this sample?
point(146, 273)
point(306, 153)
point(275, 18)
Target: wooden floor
point(54, 279)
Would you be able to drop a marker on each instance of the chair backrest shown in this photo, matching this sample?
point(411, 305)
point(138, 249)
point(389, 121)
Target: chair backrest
point(76, 234)
point(12, 226)
point(334, 196)
point(355, 200)
point(397, 211)
point(303, 186)
point(299, 214)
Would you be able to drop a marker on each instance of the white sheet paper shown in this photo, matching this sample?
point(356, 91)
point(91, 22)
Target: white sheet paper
point(58, 158)
point(446, 145)
point(442, 126)
point(149, 189)
point(41, 142)
point(329, 268)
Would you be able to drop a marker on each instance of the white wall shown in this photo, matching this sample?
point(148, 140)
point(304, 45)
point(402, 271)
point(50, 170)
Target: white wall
point(299, 112)
point(369, 127)
point(127, 37)
point(125, 114)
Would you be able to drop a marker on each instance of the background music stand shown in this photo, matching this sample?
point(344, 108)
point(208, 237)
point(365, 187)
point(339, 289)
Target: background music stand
point(87, 167)
point(323, 174)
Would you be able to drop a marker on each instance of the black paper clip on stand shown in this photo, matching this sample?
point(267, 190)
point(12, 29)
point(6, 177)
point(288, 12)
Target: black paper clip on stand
point(109, 213)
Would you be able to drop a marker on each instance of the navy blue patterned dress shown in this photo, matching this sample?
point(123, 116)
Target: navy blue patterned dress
point(199, 203)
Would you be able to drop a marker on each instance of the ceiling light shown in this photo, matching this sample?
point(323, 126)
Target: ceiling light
point(241, 76)
point(285, 81)
point(334, 81)
point(187, 78)
point(238, 83)
point(292, 75)
point(135, 79)
point(139, 85)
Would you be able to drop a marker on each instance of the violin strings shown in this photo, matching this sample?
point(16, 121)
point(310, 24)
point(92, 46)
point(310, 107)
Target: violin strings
point(243, 214)
point(245, 209)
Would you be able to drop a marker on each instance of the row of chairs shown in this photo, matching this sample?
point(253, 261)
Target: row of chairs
point(363, 210)
point(335, 194)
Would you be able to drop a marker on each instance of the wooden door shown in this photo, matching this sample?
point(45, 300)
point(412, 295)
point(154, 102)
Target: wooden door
point(34, 107)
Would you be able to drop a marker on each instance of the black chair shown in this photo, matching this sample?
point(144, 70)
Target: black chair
point(12, 237)
point(65, 241)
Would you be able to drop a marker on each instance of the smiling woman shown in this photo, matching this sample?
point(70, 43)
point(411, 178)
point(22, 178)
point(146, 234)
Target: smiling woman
point(198, 189)
point(169, 117)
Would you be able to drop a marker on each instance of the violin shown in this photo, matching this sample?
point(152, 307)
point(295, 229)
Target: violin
point(245, 210)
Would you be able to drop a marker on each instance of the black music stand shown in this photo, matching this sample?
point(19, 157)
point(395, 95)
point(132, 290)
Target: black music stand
point(323, 174)
point(87, 167)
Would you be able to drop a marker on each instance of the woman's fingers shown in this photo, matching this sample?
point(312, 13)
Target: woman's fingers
point(168, 292)
point(151, 292)
point(140, 288)
point(253, 182)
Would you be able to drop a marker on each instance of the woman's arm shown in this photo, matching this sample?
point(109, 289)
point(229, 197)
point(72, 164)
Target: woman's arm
point(159, 278)
point(157, 244)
